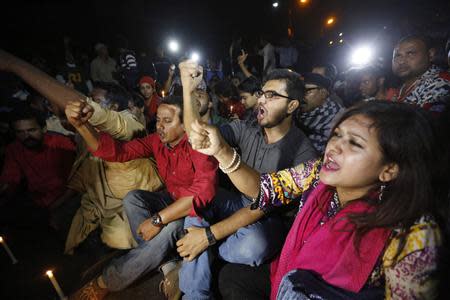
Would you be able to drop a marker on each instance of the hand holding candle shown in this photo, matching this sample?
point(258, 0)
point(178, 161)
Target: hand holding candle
point(55, 283)
point(11, 255)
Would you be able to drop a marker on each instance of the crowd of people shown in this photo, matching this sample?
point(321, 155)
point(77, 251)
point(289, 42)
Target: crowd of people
point(298, 185)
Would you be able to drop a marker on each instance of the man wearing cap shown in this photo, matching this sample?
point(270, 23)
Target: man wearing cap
point(317, 114)
point(103, 66)
point(151, 101)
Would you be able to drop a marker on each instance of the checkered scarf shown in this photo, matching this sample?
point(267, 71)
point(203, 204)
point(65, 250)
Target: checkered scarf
point(317, 123)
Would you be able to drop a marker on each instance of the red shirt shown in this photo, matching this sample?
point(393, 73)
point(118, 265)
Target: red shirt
point(184, 171)
point(45, 170)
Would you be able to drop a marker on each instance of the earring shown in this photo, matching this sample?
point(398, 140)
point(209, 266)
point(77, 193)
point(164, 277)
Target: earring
point(380, 195)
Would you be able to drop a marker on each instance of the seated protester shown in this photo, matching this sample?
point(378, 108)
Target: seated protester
point(151, 101)
point(316, 115)
point(373, 85)
point(230, 107)
point(271, 144)
point(99, 91)
point(205, 110)
point(156, 218)
point(329, 71)
point(43, 160)
point(353, 237)
point(73, 75)
point(136, 106)
point(247, 92)
point(104, 184)
point(424, 84)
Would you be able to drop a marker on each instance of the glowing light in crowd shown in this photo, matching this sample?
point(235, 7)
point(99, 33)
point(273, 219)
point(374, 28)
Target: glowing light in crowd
point(195, 56)
point(174, 46)
point(330, 21)
point(340, 34)
point(341, 41)
point(361, 56)
point(330, 42)
point(303, 1)
point(275, 4)
point(10, 254)
point(55, 284)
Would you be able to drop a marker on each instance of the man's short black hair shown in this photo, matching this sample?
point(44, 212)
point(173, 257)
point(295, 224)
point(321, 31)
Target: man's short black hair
point(250, 85)
point(417, 37)
point(175, 101)
point(294, 85)
point(374, 71)
point(23, 112)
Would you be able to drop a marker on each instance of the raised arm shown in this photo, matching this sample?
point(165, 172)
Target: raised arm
point(241, 62)
point(191, 75)
point(46, 85)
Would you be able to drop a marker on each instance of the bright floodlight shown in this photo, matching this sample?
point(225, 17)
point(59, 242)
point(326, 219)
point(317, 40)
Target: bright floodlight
point(174, 46)
point(195, 56)
point(275, 4)
point(361, 56)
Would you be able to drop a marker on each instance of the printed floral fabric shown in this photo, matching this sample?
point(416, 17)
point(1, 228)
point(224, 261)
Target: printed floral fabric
point(406, 277)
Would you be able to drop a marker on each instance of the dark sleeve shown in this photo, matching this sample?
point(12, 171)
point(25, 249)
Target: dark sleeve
point(232, 132)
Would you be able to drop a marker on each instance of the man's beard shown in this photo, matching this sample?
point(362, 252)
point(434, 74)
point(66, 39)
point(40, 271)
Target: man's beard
point(32, 143)
point(278, 120)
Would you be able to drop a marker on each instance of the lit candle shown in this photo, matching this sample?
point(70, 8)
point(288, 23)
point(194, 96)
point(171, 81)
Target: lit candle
point(11, 255)
point(162, 93)
point(231, 109)
point(55, 283)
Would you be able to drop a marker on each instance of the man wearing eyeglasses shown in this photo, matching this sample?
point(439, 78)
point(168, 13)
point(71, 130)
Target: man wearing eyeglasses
point(273, 143)
point(317, 115)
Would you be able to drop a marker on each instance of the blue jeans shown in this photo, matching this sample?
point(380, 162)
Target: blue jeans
point(250, 245)
point(148, 255)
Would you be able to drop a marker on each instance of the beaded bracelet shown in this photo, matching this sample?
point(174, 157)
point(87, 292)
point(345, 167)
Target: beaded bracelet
point(235, 167)
point(232, 161)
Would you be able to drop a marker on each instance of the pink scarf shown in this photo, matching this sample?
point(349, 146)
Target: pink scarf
point(328, 250)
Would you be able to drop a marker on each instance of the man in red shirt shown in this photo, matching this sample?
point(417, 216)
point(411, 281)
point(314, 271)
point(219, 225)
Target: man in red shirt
point(43, 160)
point(156, 218)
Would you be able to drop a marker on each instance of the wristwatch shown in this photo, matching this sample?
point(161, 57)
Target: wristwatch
point(157, 221)
point(210, 236)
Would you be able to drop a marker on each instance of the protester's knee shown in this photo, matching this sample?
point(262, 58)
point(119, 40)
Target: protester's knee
point(253, 250)
point(133, 199)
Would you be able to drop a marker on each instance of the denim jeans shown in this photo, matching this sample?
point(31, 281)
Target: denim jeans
point(250, 245)
point(148, 255)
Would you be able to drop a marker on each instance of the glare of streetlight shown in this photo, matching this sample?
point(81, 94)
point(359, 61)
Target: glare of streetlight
point(330, 42)
point(303, 1)
point(330, 21)
point(174, 46)
point(340, 34)
point(341, 41)
point(275, 4)
point(195, 56)
point(361, 56)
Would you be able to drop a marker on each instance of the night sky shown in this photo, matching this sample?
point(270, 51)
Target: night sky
point(38, 26)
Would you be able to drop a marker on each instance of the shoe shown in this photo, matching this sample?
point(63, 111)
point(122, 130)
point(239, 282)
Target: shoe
point(169, 285)
point(90, 291)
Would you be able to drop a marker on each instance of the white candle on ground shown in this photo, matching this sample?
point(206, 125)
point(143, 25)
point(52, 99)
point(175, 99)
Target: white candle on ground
point(11, 255)
point(55, 285)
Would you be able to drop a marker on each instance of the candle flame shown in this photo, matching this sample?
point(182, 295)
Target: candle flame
point(1, 239)
point(49, 273)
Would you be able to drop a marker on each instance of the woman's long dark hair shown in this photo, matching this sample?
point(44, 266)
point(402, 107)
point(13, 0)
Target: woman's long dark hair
point(408, 137)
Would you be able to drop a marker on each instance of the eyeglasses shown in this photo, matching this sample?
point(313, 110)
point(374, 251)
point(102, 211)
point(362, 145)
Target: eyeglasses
point(270, 95)
point(307, 91)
